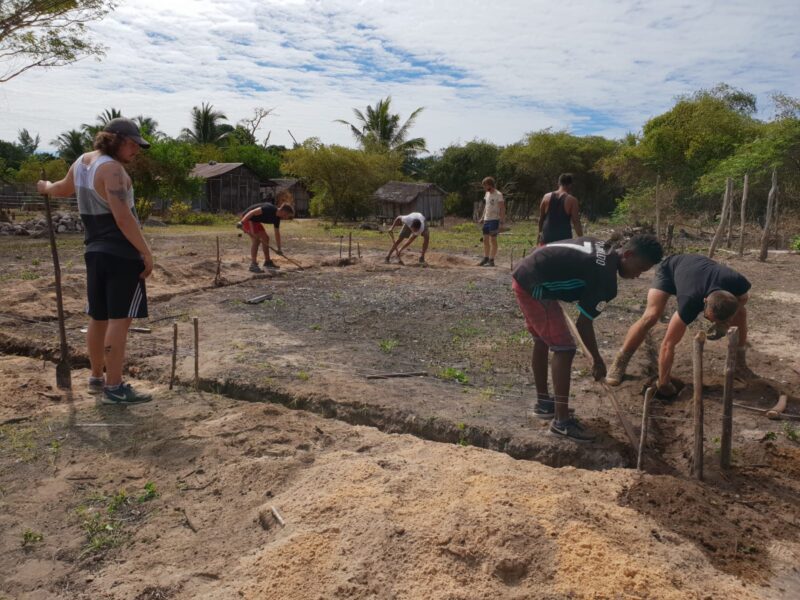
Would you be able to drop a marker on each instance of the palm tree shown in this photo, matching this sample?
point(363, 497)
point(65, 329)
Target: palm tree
point(380, 129)
point(102, 120)
point(71, 144)
point(149, 127)
point(206, 128)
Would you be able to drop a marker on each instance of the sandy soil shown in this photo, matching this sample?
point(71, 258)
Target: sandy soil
point(371, 515)
point(367, 515)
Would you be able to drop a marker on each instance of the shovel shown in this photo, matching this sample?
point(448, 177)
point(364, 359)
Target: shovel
point(296, 264)
point(63, 371)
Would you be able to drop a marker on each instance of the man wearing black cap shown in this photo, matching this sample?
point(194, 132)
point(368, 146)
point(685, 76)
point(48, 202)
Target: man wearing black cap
point(118, 259)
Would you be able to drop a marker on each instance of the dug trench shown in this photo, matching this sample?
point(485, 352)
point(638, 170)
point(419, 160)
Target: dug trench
point(323, 331)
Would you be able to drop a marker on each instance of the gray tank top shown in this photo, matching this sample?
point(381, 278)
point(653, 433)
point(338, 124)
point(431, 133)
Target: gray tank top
point(102, 232)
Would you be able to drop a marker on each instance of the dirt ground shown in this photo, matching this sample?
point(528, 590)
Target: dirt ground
point(370, 514)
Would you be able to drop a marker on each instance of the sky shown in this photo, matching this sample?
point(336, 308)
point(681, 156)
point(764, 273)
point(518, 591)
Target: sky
point(491, 70)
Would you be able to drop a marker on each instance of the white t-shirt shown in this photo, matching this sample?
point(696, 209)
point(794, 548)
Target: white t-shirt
point(493, 201)
point(409, 219)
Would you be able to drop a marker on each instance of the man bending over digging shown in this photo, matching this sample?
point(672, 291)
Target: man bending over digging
point(572, 270)
point(252, 224)
point(701, 285)
point(413, 226)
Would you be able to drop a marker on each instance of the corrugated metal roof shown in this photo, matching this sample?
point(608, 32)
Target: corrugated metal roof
point(213, 169)
point(403, 192)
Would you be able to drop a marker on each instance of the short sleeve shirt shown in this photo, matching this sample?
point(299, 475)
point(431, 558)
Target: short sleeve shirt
point(493, 200)
point(269, 214)
point(578, 270)
point(692, 277)
point(409, 219)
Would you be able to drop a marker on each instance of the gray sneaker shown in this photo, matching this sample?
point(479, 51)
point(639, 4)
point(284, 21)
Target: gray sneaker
point(254, 268)
point(572, 430)
point(96, 385)
point(124, 395)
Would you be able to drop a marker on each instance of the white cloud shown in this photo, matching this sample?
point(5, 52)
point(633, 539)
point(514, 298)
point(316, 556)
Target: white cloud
point(487, 70)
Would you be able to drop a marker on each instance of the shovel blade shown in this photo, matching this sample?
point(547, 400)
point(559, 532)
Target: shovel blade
point(63, 376)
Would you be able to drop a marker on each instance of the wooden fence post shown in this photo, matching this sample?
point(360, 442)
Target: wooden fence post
point(648, 396)
point(727, 399)
point(658, 209)
point(762, 256)
point(745, 188)
point(730, 220)
point(196, 325)
point(174, 353)
point(697, 368)
point(721, 226)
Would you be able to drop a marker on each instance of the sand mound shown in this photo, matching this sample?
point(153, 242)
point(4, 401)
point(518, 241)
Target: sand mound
point(408, 519)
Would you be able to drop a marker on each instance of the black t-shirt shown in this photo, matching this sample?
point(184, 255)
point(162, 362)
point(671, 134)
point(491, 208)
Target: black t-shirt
point(571, 270)
point(692, 277)
point(269, 214)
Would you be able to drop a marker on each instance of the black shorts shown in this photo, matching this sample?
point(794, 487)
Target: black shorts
point(664, 281)
point(114, 288)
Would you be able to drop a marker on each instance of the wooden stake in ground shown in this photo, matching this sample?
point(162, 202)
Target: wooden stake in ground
point(745, 187)
point(721, 227)
point(174, 354)
point(658, 208)
point(670, 231)
point(727, 399)
point(358, 245)
point(63, 370)
point(730, 219)
point(697, 411)
point(773, 192)
point(648, 396)
point(350, 246)
point(341, 241)
point(512, 258)
point(218, 276)
point(196, 326)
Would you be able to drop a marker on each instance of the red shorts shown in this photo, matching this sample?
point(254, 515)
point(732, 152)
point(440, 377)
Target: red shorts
point(253, 227)
point(545, 320)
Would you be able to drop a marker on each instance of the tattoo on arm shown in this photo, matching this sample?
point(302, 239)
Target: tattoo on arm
point(118, 189)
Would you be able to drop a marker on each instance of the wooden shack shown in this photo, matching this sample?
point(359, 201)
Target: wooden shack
point(403, 197)
point(229, 187)
point(301, 196)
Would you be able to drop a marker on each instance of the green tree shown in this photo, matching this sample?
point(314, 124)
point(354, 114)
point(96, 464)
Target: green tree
point(263, 163)
point(163, 171)
point(71, 144)
point(30, 171)
point(149, 127)
point(27, 142)
point(380, 130)
point(47, 34)
point(534, 164)
point(102, 120)
point(207, 126)
point(12, 154)
point(342, 179)
point(460, 170)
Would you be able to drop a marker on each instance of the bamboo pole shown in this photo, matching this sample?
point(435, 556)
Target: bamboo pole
point(196, 326)
point(727, 399)
point(658, 208)
point(762, 256)
point(721, 226)
point(648, 396)
point(174, 354)
point(745, 188)
point(697, 364)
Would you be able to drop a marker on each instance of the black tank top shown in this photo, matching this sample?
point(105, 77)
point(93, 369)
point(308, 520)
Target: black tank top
point(557, 224)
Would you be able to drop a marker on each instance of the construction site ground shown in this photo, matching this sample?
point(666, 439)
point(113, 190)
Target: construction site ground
point(289, 414)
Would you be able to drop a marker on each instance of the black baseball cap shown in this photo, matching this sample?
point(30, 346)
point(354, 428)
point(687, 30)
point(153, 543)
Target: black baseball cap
point(128, 129)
